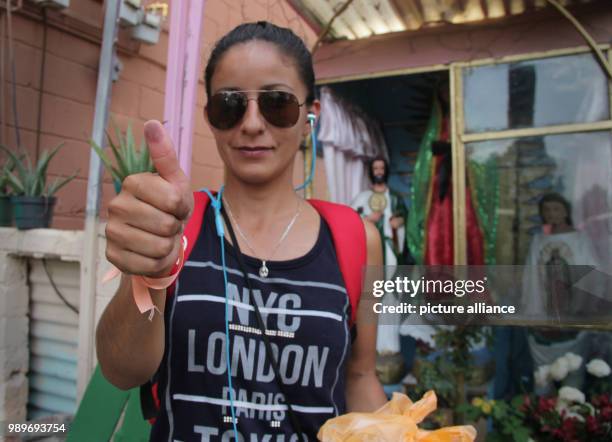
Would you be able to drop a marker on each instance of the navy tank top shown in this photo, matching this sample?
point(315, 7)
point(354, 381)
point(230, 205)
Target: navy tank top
point(305, 307)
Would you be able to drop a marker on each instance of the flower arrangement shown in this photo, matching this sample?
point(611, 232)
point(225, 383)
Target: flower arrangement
point(569, 416)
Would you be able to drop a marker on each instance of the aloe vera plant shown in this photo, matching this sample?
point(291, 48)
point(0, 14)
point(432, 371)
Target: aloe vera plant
point(28, 179)
point(4, 179)
point(128, 159)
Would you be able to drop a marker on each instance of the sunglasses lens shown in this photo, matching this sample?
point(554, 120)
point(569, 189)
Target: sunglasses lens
point(226, 109)
point(279, 108)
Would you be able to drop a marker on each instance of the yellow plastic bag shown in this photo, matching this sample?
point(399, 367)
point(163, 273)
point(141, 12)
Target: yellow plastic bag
point(396, 421)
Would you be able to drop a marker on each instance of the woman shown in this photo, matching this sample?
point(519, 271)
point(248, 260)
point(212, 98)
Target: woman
point(252, 70)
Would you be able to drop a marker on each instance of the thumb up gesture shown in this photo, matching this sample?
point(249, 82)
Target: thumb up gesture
point(145, 221)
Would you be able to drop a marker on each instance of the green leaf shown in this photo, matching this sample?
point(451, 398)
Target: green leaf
point(118, 134)
point(98, 150)
point(129, 159)
point(59, 183)
point(22, 171)
point(119, 158)
point(45, 158)
point(108, 164)
point(520, 435)
point(517, 401)
point(30, 183)
point(116, 174)
point(6, 169)
point(41, 170)
point(130, 150)
point(495, 437)
point(17, 186)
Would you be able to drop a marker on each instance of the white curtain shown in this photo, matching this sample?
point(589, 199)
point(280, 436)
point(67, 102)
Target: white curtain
point(348, 139)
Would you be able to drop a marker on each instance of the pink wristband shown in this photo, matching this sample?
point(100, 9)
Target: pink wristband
point(142, 284)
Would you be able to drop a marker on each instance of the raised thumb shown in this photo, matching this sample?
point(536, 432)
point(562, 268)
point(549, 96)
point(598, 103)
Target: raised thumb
point(165, 160)
point(163, 154)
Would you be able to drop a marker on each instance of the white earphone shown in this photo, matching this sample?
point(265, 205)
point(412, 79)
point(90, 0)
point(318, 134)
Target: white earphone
point(313, 161)
point(311, 118)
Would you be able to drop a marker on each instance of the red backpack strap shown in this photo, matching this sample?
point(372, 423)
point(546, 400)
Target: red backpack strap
point(348, 233)
point(194, 225)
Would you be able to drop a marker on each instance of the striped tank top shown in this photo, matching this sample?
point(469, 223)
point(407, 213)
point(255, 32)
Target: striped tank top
point(305, 307)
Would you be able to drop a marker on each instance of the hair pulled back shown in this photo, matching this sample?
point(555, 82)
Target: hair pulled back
point(284, 39)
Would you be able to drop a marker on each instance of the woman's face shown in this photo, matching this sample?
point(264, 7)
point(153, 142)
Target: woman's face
point(554, 213)
point(254, 150)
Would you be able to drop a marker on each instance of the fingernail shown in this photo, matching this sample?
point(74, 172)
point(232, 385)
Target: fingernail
point(152, 131)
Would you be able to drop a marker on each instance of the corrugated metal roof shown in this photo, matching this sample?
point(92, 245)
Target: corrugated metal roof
point(364, 18)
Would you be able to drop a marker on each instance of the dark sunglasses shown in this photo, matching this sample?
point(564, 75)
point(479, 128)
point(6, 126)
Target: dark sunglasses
point(280, 108)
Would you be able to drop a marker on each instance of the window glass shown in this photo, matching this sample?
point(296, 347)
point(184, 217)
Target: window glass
point(535, 93)
point(510, 177)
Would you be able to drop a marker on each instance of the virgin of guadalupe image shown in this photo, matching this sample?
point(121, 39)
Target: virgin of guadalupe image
point(548, 291)
point(547, 281)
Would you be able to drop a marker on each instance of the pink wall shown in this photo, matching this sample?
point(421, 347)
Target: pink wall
point(138, 95)
point(541, 31)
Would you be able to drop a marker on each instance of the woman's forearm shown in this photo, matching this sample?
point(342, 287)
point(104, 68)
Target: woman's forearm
point(128, 345)
point(364, 392)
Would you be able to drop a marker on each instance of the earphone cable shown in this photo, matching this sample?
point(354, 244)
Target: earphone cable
point(216, 203)
point(313, 160)
point(297, 428)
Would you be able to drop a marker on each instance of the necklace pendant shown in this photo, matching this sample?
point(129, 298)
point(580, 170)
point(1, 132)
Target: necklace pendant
point(263, 270)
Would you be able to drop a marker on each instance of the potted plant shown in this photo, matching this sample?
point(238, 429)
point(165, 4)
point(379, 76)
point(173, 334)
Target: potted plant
point(33, 199)
point(128, 159)
point(6, 212)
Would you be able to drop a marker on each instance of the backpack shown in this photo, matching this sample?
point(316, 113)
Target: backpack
point(348, 236)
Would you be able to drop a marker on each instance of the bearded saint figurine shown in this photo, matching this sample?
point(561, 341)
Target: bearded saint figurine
point(386, 209)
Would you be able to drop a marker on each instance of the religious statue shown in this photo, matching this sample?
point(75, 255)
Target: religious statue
point(386, 209)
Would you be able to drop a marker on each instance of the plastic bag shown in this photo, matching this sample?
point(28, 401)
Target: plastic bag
point(396, 421)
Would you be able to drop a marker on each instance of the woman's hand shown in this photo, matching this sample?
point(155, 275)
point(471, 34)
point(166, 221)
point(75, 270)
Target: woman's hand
point(145, 221)
point(143, 237)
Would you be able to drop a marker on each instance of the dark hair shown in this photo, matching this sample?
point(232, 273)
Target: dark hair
point(284, 38)
point(554, 197)
point(371, 167)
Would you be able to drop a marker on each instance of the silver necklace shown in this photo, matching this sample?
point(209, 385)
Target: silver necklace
point(263, 270)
